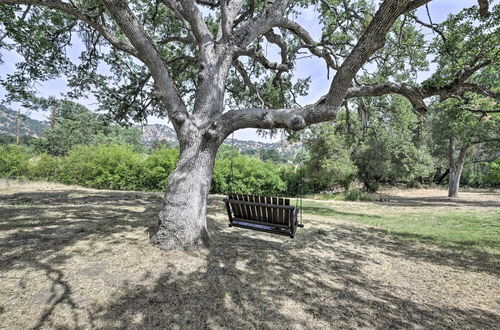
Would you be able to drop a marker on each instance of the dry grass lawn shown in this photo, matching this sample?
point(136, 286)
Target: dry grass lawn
point(79, 258)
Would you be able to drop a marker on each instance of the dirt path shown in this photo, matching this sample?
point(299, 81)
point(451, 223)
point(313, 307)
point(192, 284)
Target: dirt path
point(79, 258)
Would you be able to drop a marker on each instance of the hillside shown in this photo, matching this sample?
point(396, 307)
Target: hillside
point(150, 134)
point(283, 147)
point(157, 132)
point(31, 127)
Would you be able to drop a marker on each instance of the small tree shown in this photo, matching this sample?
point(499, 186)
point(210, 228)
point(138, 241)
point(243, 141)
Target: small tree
point(458, 131)
point(75, 125)
point(330, 164)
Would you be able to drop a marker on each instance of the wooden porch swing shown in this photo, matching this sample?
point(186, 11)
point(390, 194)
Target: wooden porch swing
point(268, 214)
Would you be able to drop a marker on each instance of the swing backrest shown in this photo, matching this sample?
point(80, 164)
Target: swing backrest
point(262, 209)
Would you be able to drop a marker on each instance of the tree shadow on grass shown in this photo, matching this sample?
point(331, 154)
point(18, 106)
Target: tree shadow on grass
point(464, 251)
point(36, 228)
point(438, 202)
point(318, 209)
point(250, 282)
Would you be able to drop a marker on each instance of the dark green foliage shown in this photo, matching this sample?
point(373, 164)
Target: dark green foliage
point(46, 167)
point(454, 129)
point(354, 194)
point(119, 167)
point(493, 175)
point(330, 164)
point(295, 181)
point(25, 140)
point(271, 155)
point(7, 139)
point(227, 152)
point(371, 146)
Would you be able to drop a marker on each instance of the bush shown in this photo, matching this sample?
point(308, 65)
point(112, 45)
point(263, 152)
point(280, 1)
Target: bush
point(493, 175)
point(157, 167)
point(292, 178)
point(354, 194)
point(251, 176)
point(102, 167)
point(45, 167)
point(14, 161)
point(413, 184)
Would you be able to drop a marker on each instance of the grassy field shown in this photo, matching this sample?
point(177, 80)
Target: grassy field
point(79, 258)
point(474, 230)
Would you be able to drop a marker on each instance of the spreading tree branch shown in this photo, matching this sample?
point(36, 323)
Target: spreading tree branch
point(150, 55)
point(372, 39)
point(80, 15)
point(188, 11)
point(228, 16)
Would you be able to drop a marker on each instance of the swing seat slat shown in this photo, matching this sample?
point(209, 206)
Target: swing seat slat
point(262, 213)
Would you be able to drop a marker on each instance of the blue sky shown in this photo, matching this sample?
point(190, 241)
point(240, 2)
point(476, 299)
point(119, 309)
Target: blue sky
point(313, 67)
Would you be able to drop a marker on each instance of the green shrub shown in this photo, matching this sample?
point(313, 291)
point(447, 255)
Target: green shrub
point(104, 167)
point(157, 167)
point(45, 167)
point(413, 184)
point(291, 175)
point(14, 161)
point(251, 176)
point(493, 175)
point(355, 194)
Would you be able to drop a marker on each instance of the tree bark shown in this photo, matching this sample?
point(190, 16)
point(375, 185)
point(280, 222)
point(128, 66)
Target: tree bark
point(456, 167)
point(182, 221)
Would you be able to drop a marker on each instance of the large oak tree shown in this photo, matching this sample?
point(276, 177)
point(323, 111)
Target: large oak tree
point(202, 64)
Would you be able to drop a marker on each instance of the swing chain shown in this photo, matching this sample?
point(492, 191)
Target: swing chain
point(231, 171)
point(298, 200)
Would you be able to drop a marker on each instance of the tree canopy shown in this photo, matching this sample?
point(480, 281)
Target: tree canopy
point(173, 44)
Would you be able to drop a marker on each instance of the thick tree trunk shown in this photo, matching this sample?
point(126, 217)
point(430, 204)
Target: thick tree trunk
point(456, 167)
point(182, 221)
point(453, 184)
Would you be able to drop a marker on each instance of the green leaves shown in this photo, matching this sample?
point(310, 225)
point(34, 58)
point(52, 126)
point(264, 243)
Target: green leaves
point(13, 161)
point(470, 41)
point(374, 141)
point(250, 176)
point(76, 125)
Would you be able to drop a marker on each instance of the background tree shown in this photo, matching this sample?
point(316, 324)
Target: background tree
point(459, 133)
point(75, 125)
point(168, 58)
point(271, 155)
point(330, 164)
point(467, 116)
point(376, 140)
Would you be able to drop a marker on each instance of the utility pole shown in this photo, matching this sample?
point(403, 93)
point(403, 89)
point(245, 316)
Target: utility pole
point(18, 128)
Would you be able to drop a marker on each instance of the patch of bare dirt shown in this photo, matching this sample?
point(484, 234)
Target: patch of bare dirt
point(80, 258)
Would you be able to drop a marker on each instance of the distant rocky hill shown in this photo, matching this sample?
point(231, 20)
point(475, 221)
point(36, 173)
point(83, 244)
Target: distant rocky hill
point(283, 147)
point(31, 127)
point(150, 134)
point(156, 133)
